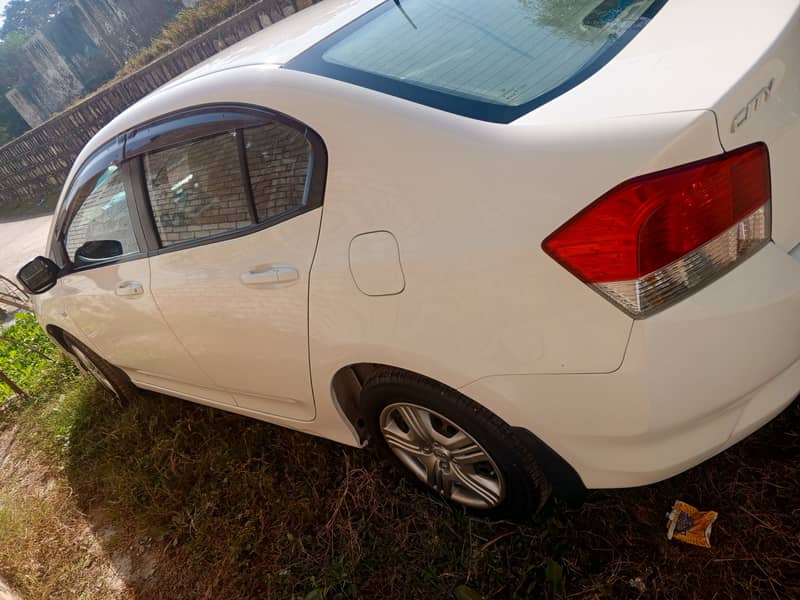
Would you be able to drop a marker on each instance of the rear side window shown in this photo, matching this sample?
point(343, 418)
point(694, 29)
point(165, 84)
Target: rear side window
point(489, 60)
point(196, 190)
point(278, 161)
point(231, 181)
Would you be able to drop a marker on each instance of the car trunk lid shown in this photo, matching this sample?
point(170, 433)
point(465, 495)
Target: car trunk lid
point(740, 60)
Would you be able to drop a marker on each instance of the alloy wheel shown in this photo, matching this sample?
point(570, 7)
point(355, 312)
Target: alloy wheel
point(442, 455)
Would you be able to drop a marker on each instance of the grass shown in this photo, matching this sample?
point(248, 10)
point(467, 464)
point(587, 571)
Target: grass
point(19, 358)
point(175, 500)
point(188, 24)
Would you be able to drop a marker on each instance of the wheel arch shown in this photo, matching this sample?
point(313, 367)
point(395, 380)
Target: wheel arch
point(346, 386)
point(57, 334)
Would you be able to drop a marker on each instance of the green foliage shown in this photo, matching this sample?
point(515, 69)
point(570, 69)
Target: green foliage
point(554, 575)
point(463, 592)
point(29, 15)
point(10, 47)
point(21, 364)
point(11, 124)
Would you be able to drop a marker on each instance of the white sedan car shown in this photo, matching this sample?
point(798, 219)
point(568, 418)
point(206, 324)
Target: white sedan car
point(528, 246)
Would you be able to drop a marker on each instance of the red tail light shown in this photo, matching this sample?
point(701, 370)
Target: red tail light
point(652, 239)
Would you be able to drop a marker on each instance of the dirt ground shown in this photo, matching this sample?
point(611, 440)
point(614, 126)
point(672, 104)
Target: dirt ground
point(20, 241)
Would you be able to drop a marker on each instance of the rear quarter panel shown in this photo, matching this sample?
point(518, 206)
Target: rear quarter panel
point(469, 204)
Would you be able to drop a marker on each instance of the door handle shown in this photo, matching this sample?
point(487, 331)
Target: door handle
point(129, 289)
point(270, 277)
point(287, 274)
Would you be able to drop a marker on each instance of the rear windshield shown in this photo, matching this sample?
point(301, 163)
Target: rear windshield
point(493, 60)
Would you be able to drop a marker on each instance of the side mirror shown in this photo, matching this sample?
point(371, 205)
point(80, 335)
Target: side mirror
point(97, 251)
point(39, 275)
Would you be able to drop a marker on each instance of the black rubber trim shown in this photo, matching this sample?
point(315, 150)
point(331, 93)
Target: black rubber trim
point(567, 484)
point(191, 124)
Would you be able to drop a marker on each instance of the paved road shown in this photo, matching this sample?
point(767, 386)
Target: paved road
point(20, 241)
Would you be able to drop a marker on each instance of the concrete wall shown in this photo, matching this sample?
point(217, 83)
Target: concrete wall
point(36, 164)
point(81, 49)
point(47, 83)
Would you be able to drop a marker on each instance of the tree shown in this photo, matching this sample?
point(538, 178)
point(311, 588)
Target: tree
point(567, 17)
point(11, 124)
point(27, 16)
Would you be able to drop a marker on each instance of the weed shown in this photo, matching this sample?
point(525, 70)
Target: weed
point(23, 352)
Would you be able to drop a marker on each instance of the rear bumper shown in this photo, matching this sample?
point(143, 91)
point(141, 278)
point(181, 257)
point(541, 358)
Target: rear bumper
point(696, 379)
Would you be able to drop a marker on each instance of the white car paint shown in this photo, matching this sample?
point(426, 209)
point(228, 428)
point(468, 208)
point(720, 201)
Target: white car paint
point(245, 334)
point(482, 308)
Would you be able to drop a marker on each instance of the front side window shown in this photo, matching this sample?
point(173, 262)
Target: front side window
point(489, 60)
point(101, 229)
point(197, 190)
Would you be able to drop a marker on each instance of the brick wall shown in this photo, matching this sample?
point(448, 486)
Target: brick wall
point(35, 165)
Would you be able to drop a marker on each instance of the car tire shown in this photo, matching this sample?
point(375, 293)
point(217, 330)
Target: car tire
point(454, 446)
point(111, 378)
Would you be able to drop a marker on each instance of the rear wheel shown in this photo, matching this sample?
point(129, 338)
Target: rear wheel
point(107, 375)
point(454, 447)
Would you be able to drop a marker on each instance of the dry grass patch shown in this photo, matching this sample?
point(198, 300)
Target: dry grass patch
point(48, 549)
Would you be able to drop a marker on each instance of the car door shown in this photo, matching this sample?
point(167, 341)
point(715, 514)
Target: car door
point(107, 289)
point(235, 209)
